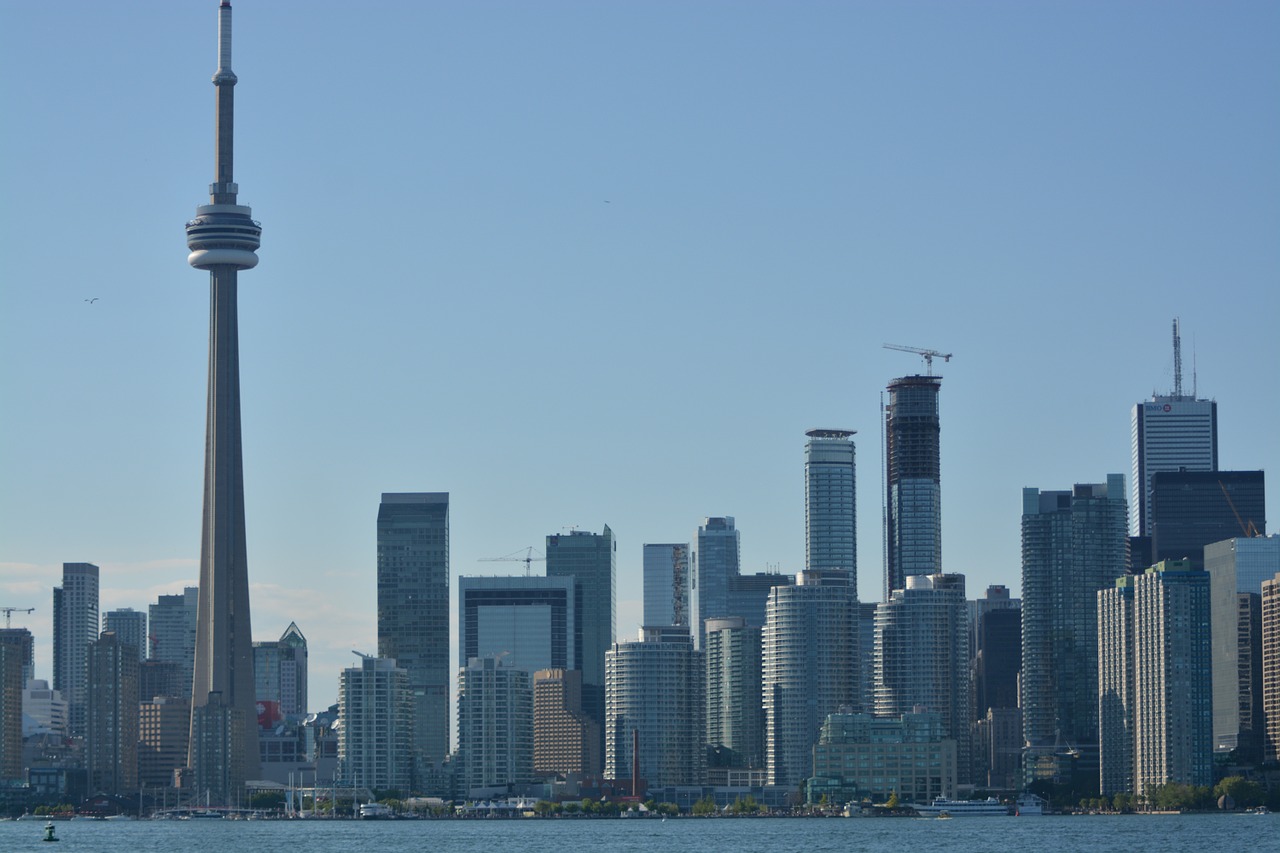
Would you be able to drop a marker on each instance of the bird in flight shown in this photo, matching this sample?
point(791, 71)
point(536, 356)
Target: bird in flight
point(91, 301)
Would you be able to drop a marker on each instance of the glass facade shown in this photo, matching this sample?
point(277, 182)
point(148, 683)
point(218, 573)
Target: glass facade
point(529, 622)
point(716, 554)
point(666, 584)
point(1169, 434)
point(413, 608)
point(1073, 544)
point(830, 506)
point(913, 520)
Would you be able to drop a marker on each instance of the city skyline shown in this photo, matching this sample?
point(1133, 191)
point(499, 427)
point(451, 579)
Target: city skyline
point(1140, 189)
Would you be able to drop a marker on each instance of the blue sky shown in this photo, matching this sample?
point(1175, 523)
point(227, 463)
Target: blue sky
point(585, 263)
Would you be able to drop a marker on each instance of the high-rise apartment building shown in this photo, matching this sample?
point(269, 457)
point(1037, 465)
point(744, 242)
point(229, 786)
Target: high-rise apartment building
point(1173, 708)
point(717, 547)
point(280, 674)
point(1192, 509)
point(171, 622)
point(164, 726)
point(495, 727)
point(654, 701)
point(591, 560)
point(1237, 569)
point(376, 743)
point(1073, 544)
point(809, 668)
point(666, 584)
point(75, 626)
point(22, 640)
point(528, 622)
point(413, 609)
point(922, 655)
point(1116, 696)
point(129, 626)
point(1271, 666)
point(830, 502)
point(913, 490)
point(565, 740)
point(13, 659)
point(111, 734)
point(735, 717)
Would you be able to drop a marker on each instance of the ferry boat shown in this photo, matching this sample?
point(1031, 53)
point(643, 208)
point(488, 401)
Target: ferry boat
point(375, 811)
point(989, 807)
point(1028, 805)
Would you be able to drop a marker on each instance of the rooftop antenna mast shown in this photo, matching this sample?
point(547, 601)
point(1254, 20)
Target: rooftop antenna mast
point(1177, 359)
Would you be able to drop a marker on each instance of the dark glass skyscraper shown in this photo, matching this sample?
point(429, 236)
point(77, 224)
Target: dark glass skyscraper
point(913, 491)
point(591, 559)
point(717, 547)
point(1192, 509)
point(413, 608)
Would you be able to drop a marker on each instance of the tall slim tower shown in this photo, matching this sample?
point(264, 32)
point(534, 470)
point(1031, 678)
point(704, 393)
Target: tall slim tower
point(413, 610)
point(75, 626)
point(223, 238)
point(830, 528)
point(913, 490)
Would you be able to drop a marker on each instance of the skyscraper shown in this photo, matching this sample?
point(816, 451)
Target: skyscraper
point(129, 626)
point(413, 608)
point(75, 626)
point(565, 740)
point(280, 673)
point(922, 655)
point(666, 584)
point(654, 690)
point(13, 660)
point(495, 727)
point(1237, 569)
point(375, 744)
point(809, 668)
point(111, 737)
point(172, 638)
point(223, 239)
point(1192, 509)
point(528, 622)
point(1115, 688)
point(1073, 544)
point(717, 546)
point(830, 502)
point(735, 718)
point(1271, 666)
point(1170, 432)
point(1173, 712)
point(913, 490)
point(591, 560)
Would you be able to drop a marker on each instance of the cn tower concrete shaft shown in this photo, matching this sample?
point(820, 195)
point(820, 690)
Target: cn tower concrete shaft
point(223, 239)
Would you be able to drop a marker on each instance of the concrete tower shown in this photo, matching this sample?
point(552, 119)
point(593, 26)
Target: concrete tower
point(223, 238)
point(913, 491)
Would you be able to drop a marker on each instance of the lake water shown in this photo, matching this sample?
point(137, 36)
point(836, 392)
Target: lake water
point(1226, 833)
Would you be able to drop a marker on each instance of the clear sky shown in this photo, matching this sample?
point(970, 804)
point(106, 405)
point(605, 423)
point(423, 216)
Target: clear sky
point(579, 263)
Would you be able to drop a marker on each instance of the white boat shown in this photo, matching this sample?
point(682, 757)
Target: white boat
point(989, 807)
point(375, 811)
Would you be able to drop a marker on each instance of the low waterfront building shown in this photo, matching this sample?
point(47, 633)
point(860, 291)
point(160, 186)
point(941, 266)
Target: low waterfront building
point(859, 757)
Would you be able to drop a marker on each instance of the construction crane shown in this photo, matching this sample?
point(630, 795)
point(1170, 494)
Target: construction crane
point(514, 557)
point(927, 354)
point(9, 611)
point(1249, 529)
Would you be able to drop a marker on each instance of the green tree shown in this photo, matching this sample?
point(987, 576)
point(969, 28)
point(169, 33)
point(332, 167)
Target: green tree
point(893, 801)
point(1246, 794)
point(705, 806)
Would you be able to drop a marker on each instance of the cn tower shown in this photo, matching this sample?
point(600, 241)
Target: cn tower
point(223, 239)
